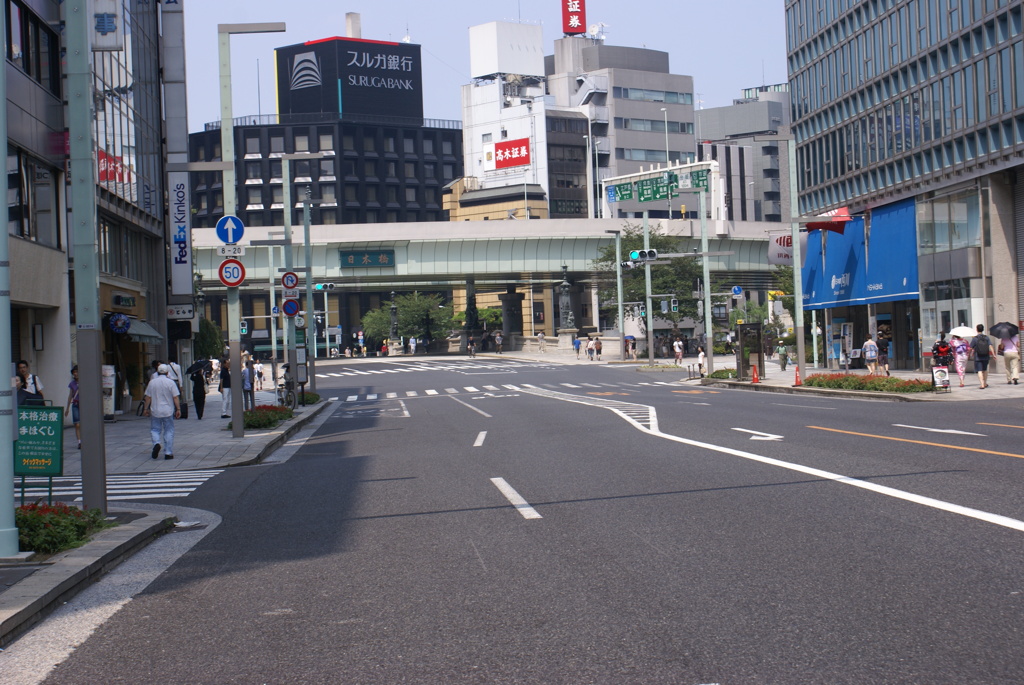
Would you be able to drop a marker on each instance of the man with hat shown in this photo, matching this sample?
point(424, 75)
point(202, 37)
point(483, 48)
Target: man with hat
point(162, 406)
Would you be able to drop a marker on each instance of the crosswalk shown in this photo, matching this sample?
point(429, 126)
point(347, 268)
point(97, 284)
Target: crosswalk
point(158, 485)
point(412, 367)
point(597, 388)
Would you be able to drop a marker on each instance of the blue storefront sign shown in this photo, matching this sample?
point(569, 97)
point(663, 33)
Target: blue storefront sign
point(864, 265)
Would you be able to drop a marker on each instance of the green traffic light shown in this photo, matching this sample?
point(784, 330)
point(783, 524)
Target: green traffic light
point(634, 254)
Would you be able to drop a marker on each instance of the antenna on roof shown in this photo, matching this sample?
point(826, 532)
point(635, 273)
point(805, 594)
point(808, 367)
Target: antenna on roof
point(407, 38)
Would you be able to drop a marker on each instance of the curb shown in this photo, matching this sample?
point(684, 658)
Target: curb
point(29, 600)
point(828, 392)
point(296, 424)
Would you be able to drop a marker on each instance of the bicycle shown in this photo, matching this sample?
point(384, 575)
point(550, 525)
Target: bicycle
point(286, 396)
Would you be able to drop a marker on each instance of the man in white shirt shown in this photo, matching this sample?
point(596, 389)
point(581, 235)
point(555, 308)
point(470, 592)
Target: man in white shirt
point(162, 407)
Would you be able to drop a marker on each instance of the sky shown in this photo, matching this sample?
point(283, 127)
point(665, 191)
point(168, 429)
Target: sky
point(726, 45)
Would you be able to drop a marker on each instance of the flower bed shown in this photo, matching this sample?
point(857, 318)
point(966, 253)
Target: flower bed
point(851, 381)
point(52, 528)
point(266, 416)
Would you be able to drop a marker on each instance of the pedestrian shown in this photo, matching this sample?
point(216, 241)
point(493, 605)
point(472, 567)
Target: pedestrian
point(591, 349)
point(412, 345)
point(700, 360)
point(783, 353)
point(597, 348)
point(540, 342)
point(960, 350)
point(942, 352)
point(981, 351)
point(199, 389)
point(258, 368)
point(471, 346)
point(632, 348)
point(677, 348)
point(499, 341)
point(162, 406)
point(870, 351)
point(1011, 358)
point(576, 345)
point(883, 355)
point(30, 388)
point(72, 405)
point(248, 383)
point(224, 388)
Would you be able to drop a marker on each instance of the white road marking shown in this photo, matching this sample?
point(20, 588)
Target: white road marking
point(391, 395)
point(405, 410)
point(570, 385)
point(521, 505)
point(470, 388)
point(758, 435)
point(465, 404)
point(411, 393)
point(492, 388)
point(451, 391)
point(803, 406)
point(480, 439)
point(332, 399)
point(431, 392)
point(938, 430)
point(371, 397)
point(352, 398)
point(511, 387)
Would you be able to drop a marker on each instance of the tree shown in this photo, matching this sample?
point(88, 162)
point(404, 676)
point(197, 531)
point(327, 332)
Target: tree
point(678, 277)
point(209, 342)
point(419, 316)
point(782, 279)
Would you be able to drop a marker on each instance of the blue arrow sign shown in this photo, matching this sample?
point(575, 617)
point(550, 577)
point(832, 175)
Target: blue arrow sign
point(230, 229)
point(737, 290)
point(275, 311)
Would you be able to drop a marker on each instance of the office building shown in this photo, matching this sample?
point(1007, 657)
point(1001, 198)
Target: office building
point(911, 114)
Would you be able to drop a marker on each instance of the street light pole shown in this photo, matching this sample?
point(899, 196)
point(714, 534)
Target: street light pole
point(227, 146)
point(664, 111)
point(618, 293)
point(311, 317)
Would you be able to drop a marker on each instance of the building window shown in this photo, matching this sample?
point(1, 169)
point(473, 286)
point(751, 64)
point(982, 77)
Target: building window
point(254, 196)
point(389, 143)
point(326, 167)
point(486, 138)
point(392, 170)
point(329, 216)
point(328, 193)
point(301, 142)
point(253, 171)
point(429, 170)
point(369, 144)
point(326, 142)
point(409, 145)
point(277, 194)
point(370, 169)
point(428, 146)
point(371, 193)
point(446, 147)
point(430, 195)
point(252, 145)
point(32, 47)
point(350, 193)
point(410, 194)
point(277, 143)
point(371, 216)
point(448, 171)
point(410, 170)
point(348, 142)
point(32, 200)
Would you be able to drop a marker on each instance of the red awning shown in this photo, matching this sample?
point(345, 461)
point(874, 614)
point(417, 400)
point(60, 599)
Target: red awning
point(831, 221)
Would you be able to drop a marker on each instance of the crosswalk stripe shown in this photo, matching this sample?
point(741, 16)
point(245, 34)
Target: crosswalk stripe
point(352, 398)
point(451, 391)
point(122, 486)
point(570, 385)
point(391, 395)
point(411, 393)
point(491, 388)
point(470, 388)
point(371, 397)
point(431, 392)
point(510, 387)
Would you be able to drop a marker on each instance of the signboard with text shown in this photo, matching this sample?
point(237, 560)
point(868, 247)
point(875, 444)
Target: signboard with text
point(512, 153)
point(367, 258)
point(574, 16)
point(620, 192)
point(39, 449)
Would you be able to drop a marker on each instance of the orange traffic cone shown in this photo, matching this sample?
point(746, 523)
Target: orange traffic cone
point(756, 379)
point(798, 381)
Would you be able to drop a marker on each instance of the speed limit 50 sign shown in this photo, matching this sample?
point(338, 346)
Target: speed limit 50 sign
point(231, 273)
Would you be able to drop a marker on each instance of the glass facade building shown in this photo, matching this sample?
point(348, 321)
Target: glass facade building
point(922, 100)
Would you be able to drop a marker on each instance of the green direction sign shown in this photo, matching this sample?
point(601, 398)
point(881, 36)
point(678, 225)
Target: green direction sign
point(699, 179)
point(651, 189)
point(39, 449)
point(623, 191)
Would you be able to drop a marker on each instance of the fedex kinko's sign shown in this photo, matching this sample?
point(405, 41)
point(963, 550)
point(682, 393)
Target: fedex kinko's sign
point(511, 153)
point(574, 16)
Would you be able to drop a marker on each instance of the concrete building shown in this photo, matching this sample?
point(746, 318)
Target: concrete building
point(914, 119)
point(588, 112)
point(761, 190)
point(131, 235)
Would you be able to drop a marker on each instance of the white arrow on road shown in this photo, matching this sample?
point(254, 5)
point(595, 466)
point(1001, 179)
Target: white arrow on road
point(938, 430)
point(758, 435)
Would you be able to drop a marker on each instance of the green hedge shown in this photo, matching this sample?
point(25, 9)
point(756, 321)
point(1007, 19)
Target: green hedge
point(265, 416)
point(852, 381)
point(725, 374)
point(308, 398)
point(52, 528)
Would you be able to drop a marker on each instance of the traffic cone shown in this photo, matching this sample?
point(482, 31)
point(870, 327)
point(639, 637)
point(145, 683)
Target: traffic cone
point(798, 381)
point(756, 379)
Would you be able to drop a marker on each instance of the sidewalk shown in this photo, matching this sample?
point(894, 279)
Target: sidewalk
point(198, 444)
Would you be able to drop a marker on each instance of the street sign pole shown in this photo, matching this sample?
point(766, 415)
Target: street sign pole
point(311, 360)
point(709, 333)
point(647, 278)
point(289, 323)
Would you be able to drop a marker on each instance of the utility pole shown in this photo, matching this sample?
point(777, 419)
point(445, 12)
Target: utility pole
point(311, 315)
point(647, 279)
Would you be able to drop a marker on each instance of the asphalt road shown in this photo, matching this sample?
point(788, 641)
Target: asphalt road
point(502, 522)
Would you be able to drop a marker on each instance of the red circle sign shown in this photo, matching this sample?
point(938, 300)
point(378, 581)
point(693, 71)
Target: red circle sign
point(231, 273)
point(290, 307)
point(290, 280)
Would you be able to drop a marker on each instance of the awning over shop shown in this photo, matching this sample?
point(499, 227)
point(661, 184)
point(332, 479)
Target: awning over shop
point(142, 332)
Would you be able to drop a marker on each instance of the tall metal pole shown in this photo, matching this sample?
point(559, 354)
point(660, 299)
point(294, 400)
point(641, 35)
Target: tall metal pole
point(647, 279)
point(273, 303)
point(8, 531)
point(618, 293)
point(311, 318)
point(709, 322)
point(289, 322)
point(88, 315)
point(798, 285)
point(590, 176)
point(668, 200)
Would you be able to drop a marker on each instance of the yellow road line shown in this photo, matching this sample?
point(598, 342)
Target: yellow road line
point(1001, 425)
point(919, 442)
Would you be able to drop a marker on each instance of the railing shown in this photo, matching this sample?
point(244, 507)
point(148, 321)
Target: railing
point(330, 118)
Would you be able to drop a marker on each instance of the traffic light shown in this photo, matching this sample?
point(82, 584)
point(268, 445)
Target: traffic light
point(324, 286)
point(243, 327)
point(642, 311)
point(643, 255)
point(628, 265)
point(675, 305)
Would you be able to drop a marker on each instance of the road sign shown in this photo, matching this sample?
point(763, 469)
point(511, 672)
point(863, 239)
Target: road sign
point(737, 290)
point(289, 280)
point(39, 449)
point(699, 178)
point(230, 229)
point(276, 310)
point(620, 192)
point(300, 322)
point(231, 251)
point(290, 307)
point(651, 189)
point(290, 294)
point(231, 273)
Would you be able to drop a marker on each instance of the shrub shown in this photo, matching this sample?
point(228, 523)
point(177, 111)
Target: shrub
point(266, 416)
point(308, 398)
point(724, 374)
point(844, 381)
point(52, 528)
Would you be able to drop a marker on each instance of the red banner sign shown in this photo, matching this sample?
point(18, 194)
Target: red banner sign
point(510, 153)
point(111, 168)
point(574, 16)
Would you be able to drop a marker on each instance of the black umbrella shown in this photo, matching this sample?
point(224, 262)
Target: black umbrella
point(1004, 330)
point(201, 364)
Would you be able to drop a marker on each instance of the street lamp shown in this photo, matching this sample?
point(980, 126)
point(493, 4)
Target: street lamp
point(664, 111)
point(227, 146)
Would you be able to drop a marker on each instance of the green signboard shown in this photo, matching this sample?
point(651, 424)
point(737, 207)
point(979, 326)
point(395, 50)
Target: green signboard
point(651, 189)
point(699, 179)
point(39, 449)
point(620, 192)
point(367, 259)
